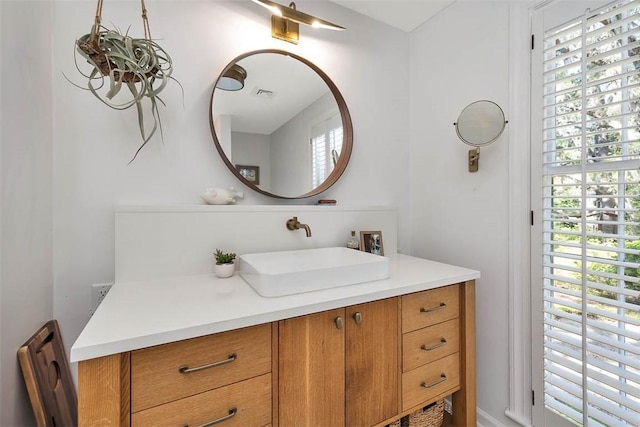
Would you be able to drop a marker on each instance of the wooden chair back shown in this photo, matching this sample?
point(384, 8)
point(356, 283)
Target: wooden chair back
point(48, 378)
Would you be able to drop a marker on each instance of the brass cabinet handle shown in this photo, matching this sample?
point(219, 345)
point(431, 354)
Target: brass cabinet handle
point(358, 318)
point(430, 309)
point(184, 369)
point(442, 379)
point(339, 322)
point(232, 413)
point(433, 347)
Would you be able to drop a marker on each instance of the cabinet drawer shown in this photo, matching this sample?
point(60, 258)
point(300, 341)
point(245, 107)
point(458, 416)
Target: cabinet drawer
point(422, 385)
point(430, 307)
point(247, 403)
point(157, 375)
point(428, 344)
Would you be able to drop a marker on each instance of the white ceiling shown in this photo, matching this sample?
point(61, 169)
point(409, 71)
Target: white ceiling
point(406, 15)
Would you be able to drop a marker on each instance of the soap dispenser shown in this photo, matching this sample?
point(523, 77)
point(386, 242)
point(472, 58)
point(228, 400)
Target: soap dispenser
point(353, 242)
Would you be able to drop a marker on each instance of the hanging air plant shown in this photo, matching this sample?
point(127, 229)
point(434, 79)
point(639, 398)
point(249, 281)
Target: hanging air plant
point(118, 60)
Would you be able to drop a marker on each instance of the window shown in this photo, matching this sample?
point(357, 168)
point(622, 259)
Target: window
point(326, 144)
point(591, 217)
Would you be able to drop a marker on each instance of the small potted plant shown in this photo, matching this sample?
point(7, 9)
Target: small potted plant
point(224, 263)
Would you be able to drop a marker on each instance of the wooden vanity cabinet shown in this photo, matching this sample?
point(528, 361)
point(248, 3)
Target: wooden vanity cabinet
point(224, 377)
point(439, 350)
point(311, 370)
point(169, 372)
point(371, 356)
point(361, 365)
point(339, 367)
point(430, 345)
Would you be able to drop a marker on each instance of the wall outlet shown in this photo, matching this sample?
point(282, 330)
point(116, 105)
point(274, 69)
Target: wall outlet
point(98, 292)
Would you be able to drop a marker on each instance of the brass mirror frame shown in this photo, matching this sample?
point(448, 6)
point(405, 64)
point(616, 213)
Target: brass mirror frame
point(347, 129)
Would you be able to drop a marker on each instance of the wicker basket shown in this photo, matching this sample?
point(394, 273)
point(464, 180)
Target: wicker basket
point(429, 416)
point(396, 423)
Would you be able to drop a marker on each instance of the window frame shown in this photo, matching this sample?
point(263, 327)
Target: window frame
point(539, 416)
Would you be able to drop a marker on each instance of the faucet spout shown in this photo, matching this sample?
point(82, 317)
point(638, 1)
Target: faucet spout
point(307, 229)
point(294, 224)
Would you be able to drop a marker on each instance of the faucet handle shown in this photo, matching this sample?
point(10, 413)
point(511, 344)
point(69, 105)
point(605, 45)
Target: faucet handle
point(292, 223)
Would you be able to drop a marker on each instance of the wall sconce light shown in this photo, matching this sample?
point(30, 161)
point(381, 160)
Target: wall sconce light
point(232, 79)
point(285, 20)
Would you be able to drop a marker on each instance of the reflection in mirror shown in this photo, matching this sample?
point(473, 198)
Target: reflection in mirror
point(289, 122)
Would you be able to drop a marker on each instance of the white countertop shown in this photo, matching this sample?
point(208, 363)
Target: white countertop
point(141, 314)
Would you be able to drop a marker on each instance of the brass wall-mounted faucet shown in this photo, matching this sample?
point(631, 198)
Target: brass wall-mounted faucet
point(294, 224)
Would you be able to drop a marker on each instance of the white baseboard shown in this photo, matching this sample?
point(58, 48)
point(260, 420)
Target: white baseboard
point(518, 418)
point(486, 420)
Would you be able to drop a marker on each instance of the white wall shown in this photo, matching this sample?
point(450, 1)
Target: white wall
point(458, 57)
point(169, 241)
point(26, 278)
point(1, 181)
point(92, 144)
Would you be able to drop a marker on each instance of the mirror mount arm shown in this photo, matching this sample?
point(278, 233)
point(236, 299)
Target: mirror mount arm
point(474, 159)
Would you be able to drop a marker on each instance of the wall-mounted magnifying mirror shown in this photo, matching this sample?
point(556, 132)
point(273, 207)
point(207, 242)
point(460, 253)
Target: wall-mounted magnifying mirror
point(287, 132)
point(480, 124)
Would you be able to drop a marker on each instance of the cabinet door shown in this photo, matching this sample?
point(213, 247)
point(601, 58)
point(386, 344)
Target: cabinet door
point(372, 362)
point(311, 370)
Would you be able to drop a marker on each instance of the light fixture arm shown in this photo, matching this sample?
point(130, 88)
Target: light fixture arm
point(292, 14)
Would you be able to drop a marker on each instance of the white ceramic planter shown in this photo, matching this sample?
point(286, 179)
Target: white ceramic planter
point(224, 270)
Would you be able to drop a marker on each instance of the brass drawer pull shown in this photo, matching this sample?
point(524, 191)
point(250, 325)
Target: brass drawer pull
point(430, 309)
point(339, 322)
point(442, 379)
point(232, 413)
point(358, 318)
point(433, 347)
point(187, 370)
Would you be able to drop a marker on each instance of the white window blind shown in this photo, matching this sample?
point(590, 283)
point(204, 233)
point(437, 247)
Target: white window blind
point(326, 145)
point(591, 217)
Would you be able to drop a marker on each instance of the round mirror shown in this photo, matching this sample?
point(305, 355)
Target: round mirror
point(480, 123)
point(284, 130)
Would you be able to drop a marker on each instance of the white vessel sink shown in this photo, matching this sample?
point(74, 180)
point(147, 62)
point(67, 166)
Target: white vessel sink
point(274, 274)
